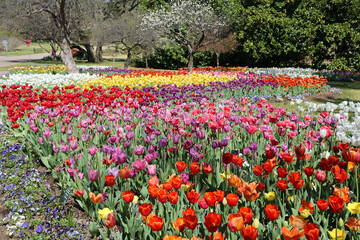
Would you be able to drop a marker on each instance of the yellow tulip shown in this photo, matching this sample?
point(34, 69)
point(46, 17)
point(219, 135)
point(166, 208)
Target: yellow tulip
point(305, 213)
point(256, 223)
point(104, 213)
point(341, 235)
point(223, 175)
point(354, 207)
point(270, 196)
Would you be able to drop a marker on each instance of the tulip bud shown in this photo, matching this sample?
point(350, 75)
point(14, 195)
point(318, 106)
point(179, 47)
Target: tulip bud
point(285, 223)
point(94, 229)
point(135, 200)
point(256, 223)
point(320, 175)
point(341, 222)
point(224, 201)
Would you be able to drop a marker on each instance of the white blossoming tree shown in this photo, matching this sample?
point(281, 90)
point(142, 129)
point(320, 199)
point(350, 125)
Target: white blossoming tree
point(189, 23)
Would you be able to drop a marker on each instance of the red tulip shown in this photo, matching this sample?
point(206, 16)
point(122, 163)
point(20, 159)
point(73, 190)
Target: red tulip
point(180, 166)
point(145, 209)
point(192, 196)
point(312, 231)
point(282, 172)
point(128, 196)
point(109, 180)
point(110, 221)
point(212, 221)
point(227, 158)
point(336, 204)
point(219, 195)
point(340, 174)
point(322, 204)
point(173, 197)
point(210, 198)
point(309, 171)
point(249, 233)
point(191, 221)
point(194, 168)
point(282, 185)
point(162, 195)
point(247, 214)
point(232, 199)
point(258, 170)
point(272, 212)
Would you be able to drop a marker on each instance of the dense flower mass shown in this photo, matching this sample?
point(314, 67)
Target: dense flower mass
point(194, 158)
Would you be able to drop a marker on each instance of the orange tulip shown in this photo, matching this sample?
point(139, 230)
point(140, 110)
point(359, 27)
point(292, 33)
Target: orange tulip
point(235, 222)
point(179, 224)
point(249, 191)
point(291, 235)
point(155, 222)
point(173, 197)
point(353, 224)
point(306, 205)
point(234, 181)
point(176, 182)
point(96, 199)
point(217, 236)
point(343, 193)
point(298, 222)
point(172, 237)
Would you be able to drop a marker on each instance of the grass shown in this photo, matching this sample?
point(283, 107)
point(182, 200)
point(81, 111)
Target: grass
point(24, 50)
point(117, 64)
point(350, 92)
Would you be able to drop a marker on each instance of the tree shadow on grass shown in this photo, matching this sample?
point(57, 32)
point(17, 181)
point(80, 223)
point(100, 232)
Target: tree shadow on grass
point(345, 84)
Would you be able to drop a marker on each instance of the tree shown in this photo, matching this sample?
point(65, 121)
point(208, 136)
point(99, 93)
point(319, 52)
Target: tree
point(189, 23)
point(59, 21)
point(286, 32)
point(131, 37)
point(226, 43)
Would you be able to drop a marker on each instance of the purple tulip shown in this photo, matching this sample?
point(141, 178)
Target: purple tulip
point(93, 175)
point(253, 146)
point(139, 150)
point(92, 151)
point(185, 177)
point(151, 169)
point(114, 172)
point(139, 164)
point(130, 135)
point(163, 142)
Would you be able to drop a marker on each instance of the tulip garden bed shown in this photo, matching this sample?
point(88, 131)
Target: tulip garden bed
point(183, 156)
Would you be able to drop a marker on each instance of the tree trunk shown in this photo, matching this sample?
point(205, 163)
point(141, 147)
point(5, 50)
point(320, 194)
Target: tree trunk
point(67, 58)
point(128, 59)
point(89, 53)
point(191, 61)
point(217, 59)
point(98, 53)
point(146, 61)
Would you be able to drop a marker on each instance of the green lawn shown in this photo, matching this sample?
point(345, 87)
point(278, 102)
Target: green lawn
point(24, 50)
point(350, 90)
